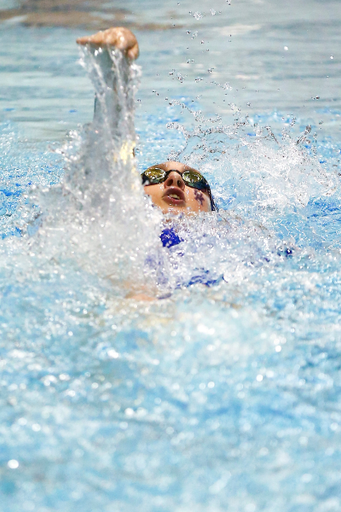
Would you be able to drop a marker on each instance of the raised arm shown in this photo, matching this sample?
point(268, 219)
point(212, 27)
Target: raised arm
point(113, 79)
point(118, 37)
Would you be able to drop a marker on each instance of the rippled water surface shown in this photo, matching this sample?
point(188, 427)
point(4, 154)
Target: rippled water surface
point(212, 398)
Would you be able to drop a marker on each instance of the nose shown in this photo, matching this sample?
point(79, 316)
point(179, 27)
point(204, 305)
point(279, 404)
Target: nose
point(174, 179)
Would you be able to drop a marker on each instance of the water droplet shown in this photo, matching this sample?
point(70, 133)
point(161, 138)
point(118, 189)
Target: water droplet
point(13, 464)
point(113, 354)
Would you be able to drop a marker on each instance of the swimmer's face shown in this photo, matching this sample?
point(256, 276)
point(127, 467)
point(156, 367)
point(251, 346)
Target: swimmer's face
point(174, 196)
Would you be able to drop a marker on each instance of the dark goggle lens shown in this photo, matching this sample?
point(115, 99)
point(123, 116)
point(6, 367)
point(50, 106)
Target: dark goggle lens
point(153, 175)
point(195, 180)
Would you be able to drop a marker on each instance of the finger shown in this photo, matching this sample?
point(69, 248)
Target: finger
point(133, 52)
point(82, 40)
point(96, 39)
point(118, 37)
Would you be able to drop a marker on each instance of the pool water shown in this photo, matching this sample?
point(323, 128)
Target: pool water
point(213, 398)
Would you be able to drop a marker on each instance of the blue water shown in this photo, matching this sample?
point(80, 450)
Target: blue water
point(221, 398)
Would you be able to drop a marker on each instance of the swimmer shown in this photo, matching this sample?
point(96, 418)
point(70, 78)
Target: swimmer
point(172, 186)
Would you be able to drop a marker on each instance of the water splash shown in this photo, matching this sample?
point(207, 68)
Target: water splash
point(218, 398)
point(98, 216)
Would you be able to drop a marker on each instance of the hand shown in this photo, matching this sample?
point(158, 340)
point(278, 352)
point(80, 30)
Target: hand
point(119, 37)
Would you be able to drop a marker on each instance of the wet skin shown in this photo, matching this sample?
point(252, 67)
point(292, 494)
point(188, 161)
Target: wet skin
point(116, 37)
point(174, 196)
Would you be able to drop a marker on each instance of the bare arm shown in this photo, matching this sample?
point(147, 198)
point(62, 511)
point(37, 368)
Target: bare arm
point(114, 103)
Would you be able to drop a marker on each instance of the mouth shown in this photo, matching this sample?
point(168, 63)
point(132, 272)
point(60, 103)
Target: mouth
point(174, 196)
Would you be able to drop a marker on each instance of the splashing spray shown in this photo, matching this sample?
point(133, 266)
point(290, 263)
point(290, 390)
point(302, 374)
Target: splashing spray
point(99, 215)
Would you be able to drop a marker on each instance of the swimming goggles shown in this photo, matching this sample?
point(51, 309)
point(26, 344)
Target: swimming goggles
point(191, 178)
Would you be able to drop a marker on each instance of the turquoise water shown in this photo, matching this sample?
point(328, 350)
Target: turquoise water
point(215, 398)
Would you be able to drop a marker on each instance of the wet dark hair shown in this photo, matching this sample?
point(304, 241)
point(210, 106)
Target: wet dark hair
point(214, 207)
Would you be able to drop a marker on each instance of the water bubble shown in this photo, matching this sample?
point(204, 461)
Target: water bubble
point(197, 15)
point(13, 464)
point(113, 354)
